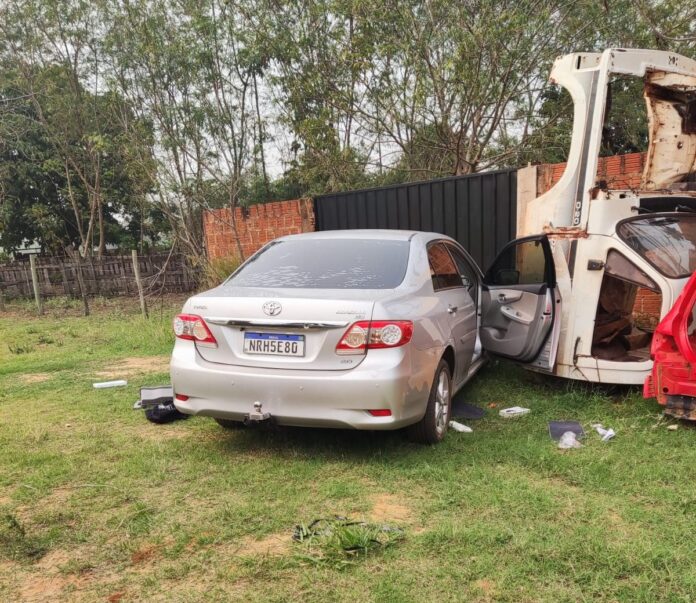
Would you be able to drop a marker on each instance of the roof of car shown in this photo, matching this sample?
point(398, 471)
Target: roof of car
point(371, 233)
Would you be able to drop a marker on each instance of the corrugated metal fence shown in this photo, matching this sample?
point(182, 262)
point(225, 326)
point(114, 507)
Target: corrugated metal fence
point(479, 211)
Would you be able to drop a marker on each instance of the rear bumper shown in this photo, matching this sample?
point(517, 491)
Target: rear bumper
point(398, 380)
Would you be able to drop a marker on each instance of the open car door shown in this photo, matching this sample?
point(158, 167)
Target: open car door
point(520, 304)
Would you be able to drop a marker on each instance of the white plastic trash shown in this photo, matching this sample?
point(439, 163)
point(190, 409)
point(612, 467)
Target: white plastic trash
point(606, 434)
point(513, 411)
point(105, 384)
point(569, 440)
point(460, 427)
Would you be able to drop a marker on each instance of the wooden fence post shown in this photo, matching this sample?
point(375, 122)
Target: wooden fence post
point(138, 282)
point(35, 283)
point(2, 300)
point(67, 289)
point(77, 268)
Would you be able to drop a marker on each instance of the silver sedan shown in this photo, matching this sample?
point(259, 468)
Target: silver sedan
point(372, 329)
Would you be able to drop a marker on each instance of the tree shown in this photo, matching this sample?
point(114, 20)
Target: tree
point(47, 187)
point(187, 67)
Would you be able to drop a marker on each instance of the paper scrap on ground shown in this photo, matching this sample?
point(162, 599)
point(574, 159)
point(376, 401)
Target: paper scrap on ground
point(105, 384)
point(568, 440)
point(460, 427)
point(606, 434)
point(513, 411)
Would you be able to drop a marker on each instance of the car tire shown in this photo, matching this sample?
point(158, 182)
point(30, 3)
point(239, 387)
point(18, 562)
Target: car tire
point(432, 428)
point(229, 424)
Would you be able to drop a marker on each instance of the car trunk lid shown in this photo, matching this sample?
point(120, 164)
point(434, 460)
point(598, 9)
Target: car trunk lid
point(288, 332)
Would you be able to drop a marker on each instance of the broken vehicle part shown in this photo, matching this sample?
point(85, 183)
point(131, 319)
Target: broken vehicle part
point(621, 255)
point(673, 377)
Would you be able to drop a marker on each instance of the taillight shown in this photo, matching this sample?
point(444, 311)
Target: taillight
point(374, 334)
point(192, 327)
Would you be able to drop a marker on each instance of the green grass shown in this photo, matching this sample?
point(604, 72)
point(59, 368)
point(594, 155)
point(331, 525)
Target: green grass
point(95, 502)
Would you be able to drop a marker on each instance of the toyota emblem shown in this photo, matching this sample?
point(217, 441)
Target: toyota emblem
point(272, 308)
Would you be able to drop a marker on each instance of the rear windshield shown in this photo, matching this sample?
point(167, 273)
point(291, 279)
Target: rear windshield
point(326, 264)
point(667, 241)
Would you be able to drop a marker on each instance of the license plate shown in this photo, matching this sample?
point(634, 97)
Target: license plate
point(274, 344)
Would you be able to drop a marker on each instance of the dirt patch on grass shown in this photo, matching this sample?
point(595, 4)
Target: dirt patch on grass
point(54, 560)
point(487, 588)
point(388, 508)
point(272, 545)
point(144, 554)
point(40, 588)
point(31, 378)
point(135, 365)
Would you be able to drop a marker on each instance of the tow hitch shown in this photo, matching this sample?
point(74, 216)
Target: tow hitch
point(257, 415)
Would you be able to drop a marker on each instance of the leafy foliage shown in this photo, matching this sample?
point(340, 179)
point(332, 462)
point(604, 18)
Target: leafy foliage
point(47, 151)
point(124, 121)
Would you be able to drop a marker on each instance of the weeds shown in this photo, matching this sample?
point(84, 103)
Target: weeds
point(340, 542)
point(19, 349)
point(16, 543)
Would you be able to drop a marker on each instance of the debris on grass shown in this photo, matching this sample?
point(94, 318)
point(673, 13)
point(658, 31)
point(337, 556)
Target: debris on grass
point(569, 440)
point(105, 384)
point(558, 428)
point(340, 541)
point(673, 427)
point(460, 427)
point(606, 434)
point(463, 410)
point(155, 395)
point(164, 413)
point(513, 411)
point(158, 403)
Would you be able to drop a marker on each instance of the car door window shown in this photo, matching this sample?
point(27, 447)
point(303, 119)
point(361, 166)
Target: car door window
point(465, 270)
point(523, 263)
point(443, 270)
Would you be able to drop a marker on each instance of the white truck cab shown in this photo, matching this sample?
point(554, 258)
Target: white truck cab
point(607, 245)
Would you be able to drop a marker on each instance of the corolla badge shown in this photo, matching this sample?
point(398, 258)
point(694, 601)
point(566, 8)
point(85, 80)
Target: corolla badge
point(272, 308)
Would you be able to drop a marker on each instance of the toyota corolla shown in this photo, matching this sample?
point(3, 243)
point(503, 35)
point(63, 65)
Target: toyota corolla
point(372, 329)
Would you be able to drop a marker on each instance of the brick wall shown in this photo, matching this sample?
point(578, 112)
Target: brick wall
point(618, 171)
point(646, 310)
point(256, 226)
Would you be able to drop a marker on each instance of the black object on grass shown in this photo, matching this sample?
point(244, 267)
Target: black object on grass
point(158, 403)
point(464, 410)
point(558, 428)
